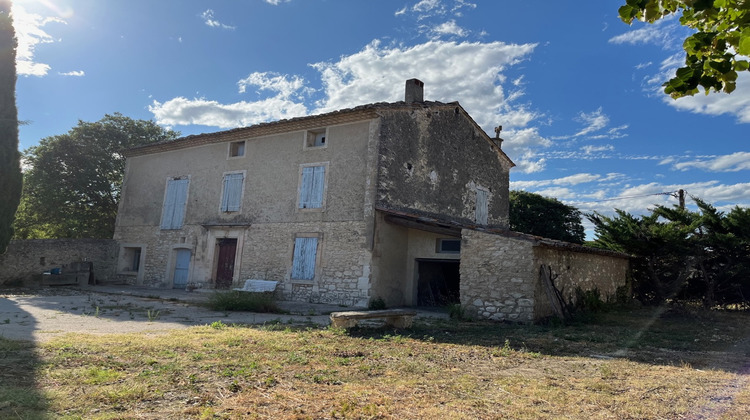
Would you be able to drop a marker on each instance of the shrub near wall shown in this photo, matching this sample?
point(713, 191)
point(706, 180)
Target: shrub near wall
point(27, 259)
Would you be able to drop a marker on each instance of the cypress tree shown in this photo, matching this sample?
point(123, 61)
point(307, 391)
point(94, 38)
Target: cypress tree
point(10, 168)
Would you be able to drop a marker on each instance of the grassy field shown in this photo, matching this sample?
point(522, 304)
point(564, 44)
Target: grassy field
point(624, 364)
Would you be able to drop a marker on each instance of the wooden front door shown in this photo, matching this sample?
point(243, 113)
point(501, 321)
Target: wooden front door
point(225, 267)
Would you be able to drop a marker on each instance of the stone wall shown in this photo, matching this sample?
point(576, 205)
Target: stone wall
point(265, 252)
point(500, 274)
point(497, 277)
point(585, 270)
point(25, 260)
point(342, 274)
point(433, 160)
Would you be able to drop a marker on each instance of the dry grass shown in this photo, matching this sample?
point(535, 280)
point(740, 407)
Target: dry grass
point(636, 364)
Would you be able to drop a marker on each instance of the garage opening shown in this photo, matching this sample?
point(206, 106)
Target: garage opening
point(438, 282)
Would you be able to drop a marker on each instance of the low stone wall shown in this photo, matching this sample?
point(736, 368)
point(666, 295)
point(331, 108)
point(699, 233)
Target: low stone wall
point(572, 270)
point(500, 274)
point(26, 260)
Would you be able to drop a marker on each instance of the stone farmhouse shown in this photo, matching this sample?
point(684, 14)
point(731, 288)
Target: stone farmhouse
point(405, 202)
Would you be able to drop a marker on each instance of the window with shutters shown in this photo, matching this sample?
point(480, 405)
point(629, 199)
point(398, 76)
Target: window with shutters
point(304, 259)
point(312, 186)
point(231, 197)
point(175, 198)
point(481, 206)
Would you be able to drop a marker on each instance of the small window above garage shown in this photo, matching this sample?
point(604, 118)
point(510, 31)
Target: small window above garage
point(448, 246)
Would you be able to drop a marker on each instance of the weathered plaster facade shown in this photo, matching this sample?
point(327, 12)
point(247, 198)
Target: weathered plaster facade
point(432, 162)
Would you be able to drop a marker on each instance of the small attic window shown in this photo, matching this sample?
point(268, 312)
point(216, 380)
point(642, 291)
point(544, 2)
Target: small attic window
point(237, 149)
point(315, 138)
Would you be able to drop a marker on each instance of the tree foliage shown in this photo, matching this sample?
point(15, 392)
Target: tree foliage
point(72, 187)
point(714, 53)
point(683, 254)
point(542, 216)
point(10, 169)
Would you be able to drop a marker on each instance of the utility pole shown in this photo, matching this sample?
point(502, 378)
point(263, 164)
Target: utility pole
point(681, 193)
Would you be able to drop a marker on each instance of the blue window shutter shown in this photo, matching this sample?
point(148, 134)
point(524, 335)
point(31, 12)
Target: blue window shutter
point(312, 187)
point(175, 200)
point(316, 191)
point(305, 187)
point(481, 207)
point(180, 201)
point(303, 263)
point(232, 192)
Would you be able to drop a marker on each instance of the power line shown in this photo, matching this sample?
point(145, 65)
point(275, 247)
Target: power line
point(671, 193)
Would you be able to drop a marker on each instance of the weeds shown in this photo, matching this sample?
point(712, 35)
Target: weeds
point(243, 301)
point(152, 315)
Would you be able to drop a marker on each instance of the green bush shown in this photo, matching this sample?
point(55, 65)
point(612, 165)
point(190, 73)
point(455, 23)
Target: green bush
point(376, 304)
point(588, 301)
point(243, 301)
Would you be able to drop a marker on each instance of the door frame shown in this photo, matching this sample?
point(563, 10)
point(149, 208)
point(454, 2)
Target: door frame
point(214, 235)
point(173, 263)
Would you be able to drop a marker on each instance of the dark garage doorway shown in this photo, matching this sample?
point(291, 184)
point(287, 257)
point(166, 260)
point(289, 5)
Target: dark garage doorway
point(438, 282)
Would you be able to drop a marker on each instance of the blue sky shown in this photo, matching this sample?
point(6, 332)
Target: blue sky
point(576, 90)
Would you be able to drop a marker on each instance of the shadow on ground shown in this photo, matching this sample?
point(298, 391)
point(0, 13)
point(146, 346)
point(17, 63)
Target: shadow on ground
point(670, 336)
point(18, 366)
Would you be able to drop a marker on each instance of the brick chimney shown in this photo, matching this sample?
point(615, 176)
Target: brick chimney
point(414, 91)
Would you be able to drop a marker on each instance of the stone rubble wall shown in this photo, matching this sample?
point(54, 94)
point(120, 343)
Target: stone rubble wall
point(342, 269)
point(500, 275)
point(158, 246)
point(497, 277)
point(584, 270)
point(26, 260)
point(342, 274)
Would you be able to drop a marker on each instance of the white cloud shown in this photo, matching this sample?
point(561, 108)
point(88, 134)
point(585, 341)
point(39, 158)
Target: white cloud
point(208, 19)
point(425, 9)
point(727, 163)
point(76, 73)
point(276, 2)
point(664, 33)
point(593, 149)
point(642, 66)
point(593, 124)
point(30, 33)
point(448, 28)
point(736, 104)
point(571, 180)
point(183, 111)
point(426, 6)
point(286, 86)
point(471, 73)
point(594, 121)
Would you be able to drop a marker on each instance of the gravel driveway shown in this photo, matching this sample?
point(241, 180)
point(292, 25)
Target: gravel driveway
point(42, 314)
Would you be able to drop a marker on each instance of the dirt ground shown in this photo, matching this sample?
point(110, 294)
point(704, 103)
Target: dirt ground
point(41, 314)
